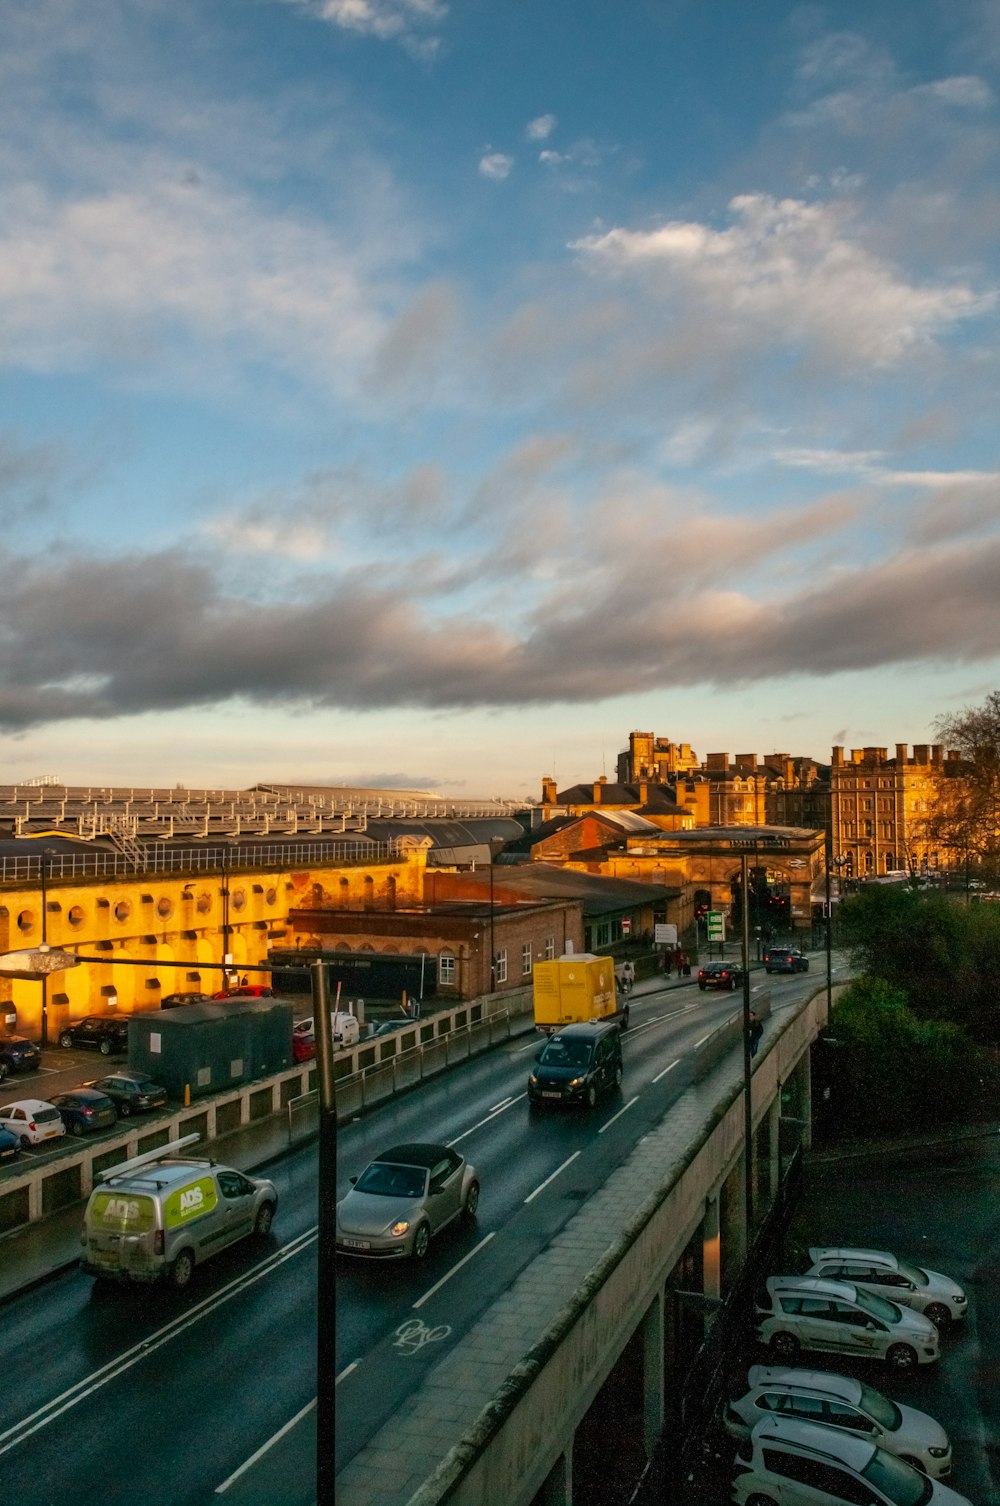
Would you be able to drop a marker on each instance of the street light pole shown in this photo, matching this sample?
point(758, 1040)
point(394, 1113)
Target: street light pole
point(747, 1078)
point(327, 1219)
point(44, 857)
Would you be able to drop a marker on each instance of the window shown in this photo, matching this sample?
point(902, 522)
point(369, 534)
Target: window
point(501, 966)
point(526, 959)
point(550, 948)
point(446, 968)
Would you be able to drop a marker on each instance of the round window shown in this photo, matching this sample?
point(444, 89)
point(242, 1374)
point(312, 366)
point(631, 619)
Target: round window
point(123, 910)
point(271, 896)
point(76, 916)
point(239, 899)
point(26, 920)
point(164, 907)
point(204, 904)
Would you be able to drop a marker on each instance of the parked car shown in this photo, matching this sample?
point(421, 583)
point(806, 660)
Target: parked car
point(720, 975)
point(803, 1312)
point(33, 1121)
point(785, 959)
point(97, 1032)
point(576, 1065)
point(405, 1195)
point(839, 1401)
point(788, 1462)
point(176, 1001)
point(928, 1292)
point(131, 1092)
point(246, 991)
point(158, 1216)
point(389, 1027)
point(85, 1109)
point(303, 1046)
point(18, 1054)
point(10, 1146)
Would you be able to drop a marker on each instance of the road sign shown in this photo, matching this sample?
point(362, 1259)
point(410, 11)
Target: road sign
point(715, 922)
point(665, 935)
point(626, 925)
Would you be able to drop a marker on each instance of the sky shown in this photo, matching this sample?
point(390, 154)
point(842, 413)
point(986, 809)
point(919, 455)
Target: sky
point(427, 393)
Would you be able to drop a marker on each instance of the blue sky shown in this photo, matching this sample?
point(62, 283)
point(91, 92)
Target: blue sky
point(429, 392)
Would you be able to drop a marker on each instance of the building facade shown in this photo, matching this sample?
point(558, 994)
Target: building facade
point(880, 806)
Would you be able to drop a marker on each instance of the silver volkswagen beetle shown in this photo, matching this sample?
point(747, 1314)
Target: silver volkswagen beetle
point(406, 1195)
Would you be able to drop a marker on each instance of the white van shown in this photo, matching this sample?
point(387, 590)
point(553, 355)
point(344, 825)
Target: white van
point(346, 1030)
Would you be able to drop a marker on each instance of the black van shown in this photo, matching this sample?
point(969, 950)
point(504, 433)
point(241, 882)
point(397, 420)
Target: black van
point(577, 1064)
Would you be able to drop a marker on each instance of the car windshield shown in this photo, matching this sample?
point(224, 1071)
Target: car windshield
point(881, 1409)
point(559, 1053)
point(879, 1307)
point(387, 1180)
point(45, 1116)
point(897, 1481)
point(139, 1085)
point(912, 1273)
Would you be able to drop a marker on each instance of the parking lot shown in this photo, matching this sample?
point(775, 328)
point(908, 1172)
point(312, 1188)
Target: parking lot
point(935, 1203)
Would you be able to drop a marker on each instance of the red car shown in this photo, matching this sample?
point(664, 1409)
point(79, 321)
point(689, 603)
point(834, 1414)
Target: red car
point(246, 991)
point(303, 1047)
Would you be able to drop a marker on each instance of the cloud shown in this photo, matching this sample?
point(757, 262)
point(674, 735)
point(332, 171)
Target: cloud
point(496, 165)
point(541, 128)
point(388, 20)
point(784, 274)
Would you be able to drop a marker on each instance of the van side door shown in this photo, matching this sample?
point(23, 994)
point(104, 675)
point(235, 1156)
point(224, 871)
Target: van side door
point(236, 1204)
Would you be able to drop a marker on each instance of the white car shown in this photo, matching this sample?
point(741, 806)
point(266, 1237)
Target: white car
point(33, 1121)
point(786, 1462)
point(803, 1312)
point(928, 1292)
point(839, 1401)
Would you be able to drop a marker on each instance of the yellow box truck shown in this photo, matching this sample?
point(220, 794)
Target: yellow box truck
point(576, 987)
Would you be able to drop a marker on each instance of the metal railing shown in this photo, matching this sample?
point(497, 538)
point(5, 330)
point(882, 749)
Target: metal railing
point(28, 869)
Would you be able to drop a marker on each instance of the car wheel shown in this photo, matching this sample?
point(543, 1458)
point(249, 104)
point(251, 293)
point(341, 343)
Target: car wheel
point(471, 1200)
point(625, 1018)
point(732, 985)
point(938, 1314)
point(3, 1071)
point(25, 1143)
point(182, 1270)
point(76, 1129)
point(785, 1345)
point(65, 1040)
point(124, 1109)
point(703, 986)
point(421, 1240)
point(263, 1221)
point(618, 1075)
point(105, 1048)
point(901, 1357)
point(591, 1096)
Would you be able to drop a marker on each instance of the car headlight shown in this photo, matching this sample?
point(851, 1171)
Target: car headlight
point(399, 1227)
point(577, 1082)
point(533, 1080)
point(938, 1453)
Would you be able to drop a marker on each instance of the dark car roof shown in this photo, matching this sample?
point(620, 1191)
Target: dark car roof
point(417, 1153)
point(585, 1029)
point(717, 967)
point(87, 1095)
point(16, 1040)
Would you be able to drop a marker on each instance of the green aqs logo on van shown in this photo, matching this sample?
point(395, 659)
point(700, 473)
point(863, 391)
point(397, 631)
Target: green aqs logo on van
point(190, 1202)
point(124, 1215)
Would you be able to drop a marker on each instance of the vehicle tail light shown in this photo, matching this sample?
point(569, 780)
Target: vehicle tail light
point(158, 1239)
point(86, 1112)
point(32, 1126)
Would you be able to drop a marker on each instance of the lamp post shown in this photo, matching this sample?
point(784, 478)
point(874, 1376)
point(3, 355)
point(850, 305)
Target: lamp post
point(496, 847)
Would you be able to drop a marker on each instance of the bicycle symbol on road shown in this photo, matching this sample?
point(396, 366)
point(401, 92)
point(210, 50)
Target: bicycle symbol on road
point(414, 1334)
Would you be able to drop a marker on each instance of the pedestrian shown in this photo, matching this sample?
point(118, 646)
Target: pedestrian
point(754, 1032)
point(628, 975)
point(683, 965)
point(668, 961)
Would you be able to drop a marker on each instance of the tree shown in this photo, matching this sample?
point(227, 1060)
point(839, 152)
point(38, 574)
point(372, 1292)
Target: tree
point(966, 817)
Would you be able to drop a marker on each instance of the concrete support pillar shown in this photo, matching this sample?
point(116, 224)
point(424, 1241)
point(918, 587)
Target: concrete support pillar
point(558, 1487)
point(804, 1073)
point(712, 1248)
point(774, 1128)
point(653, 1338)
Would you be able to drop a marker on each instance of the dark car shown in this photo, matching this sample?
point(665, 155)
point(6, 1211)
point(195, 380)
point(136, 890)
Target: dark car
point(784, 959)
point(84, 1109)
point(18, 1054)
point(175, 1001)
point(97, 1032)
point(131, 1092)
point(576, 1064)
point(246, 991)
point(10, 1146)
point(720, 975)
